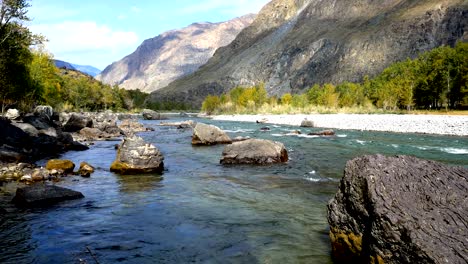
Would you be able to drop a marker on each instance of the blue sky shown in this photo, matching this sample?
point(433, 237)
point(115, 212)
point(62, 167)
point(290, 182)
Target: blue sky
point(99, 32)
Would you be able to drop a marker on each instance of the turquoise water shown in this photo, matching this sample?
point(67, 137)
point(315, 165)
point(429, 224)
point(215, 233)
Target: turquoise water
point(200, 211)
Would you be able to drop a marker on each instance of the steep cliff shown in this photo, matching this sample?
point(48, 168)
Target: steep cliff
point(173, 54)
point(293, 44)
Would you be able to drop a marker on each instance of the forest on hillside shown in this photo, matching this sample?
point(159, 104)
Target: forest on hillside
point(437, 79)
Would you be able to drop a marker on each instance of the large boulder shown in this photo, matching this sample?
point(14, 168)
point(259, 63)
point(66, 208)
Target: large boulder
point(400, 210)
point(43, 195)
point(12, 114)
point(77, 122)
point(204, 134)
point(149, 114)
point(39, 122)
point(45, 111)
point(28, 128)
point(135, 156)
point(254, 151)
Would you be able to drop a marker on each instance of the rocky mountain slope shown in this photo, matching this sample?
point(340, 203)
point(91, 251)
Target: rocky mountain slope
point(173, 54)
point(293, 44)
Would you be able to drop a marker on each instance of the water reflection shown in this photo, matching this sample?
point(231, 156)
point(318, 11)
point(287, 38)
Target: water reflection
point(139, 183)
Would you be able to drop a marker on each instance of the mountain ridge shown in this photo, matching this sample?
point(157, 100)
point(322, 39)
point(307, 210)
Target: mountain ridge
point(292, 45)
point(172, 54)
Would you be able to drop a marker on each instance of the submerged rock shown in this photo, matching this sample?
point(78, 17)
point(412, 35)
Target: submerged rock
point(135, 156)
point(204, 134)
point(129, 127)
point(43, 195)
point(400, 210)
point(180, 125)
point(327, 132)
point(66, 166)
point(254, 151)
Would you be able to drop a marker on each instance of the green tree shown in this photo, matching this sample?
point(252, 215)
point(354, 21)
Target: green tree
point(15, 56)
point(286, 99)
point(210, 104)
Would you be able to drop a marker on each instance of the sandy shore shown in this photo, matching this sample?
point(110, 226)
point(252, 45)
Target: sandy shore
point(427, 124)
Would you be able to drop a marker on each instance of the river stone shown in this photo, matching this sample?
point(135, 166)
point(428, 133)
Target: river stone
point(204, 134)
point(45, 111)
point(254, 151)
point(85, 169)
point(130, 127)
point(400, 210)
point(12, 114)
point(43, 195)
point(327, 132)
point(77, 122)
point(135, 156)
point(149, 114)
point(307, 123)
point(28, 128)
point(66, 166)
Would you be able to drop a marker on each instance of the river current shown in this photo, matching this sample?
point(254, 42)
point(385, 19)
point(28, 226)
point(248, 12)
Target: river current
point(200, 211)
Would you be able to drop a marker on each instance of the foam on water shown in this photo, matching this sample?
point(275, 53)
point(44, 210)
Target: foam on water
point(457, 151)
point(308, 136)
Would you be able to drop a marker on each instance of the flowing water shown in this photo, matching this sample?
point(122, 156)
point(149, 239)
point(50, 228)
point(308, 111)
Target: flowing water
point(201, 211)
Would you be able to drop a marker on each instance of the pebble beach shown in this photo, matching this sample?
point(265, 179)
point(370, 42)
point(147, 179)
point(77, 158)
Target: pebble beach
point(425, 124)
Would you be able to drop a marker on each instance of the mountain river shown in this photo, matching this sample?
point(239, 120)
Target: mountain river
point(200, 211)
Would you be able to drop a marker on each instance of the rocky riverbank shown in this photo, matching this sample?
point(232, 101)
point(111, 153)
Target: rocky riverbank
point(426, 124)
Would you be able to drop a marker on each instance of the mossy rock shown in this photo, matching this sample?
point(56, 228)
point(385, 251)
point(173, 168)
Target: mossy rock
point(66, 166)
point(123, 168)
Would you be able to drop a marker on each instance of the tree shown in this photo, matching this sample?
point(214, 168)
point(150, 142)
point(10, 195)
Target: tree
point(15, 56)
point(210, 104)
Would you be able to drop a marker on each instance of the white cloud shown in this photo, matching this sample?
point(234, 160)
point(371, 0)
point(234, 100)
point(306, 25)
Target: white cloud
point(135, 9)
point(86, 42)
point(236, 8)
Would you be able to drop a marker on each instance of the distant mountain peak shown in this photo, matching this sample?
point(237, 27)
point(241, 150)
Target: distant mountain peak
point(172, 54)
point(90, 70)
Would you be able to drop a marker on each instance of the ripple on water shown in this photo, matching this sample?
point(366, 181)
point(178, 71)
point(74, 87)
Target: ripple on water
point(201, 211)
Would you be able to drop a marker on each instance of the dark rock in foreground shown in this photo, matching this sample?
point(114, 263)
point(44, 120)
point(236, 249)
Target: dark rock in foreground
point(43, 195)
point(135, 156)
point(254, 151)
point(400, 210)
point(204, 134)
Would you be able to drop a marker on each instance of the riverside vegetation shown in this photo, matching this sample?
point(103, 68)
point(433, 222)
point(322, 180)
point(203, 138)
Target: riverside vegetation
point(436, 79)
point(29, 77)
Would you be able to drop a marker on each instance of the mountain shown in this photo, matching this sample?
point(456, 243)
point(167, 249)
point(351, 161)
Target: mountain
point(63, 65)
point(293, 44)
point(93, 71)
point(162, 59)
point(90, 70)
